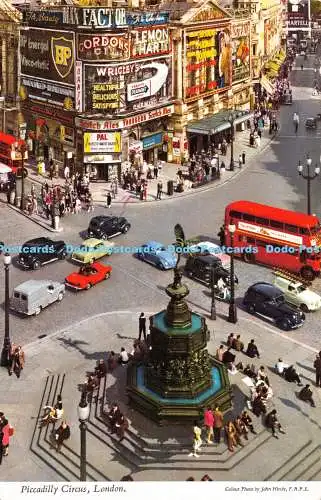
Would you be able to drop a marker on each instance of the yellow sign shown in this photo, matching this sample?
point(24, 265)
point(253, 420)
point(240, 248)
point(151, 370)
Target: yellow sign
point(62, 51)
point(62, 133)
point(102, 142)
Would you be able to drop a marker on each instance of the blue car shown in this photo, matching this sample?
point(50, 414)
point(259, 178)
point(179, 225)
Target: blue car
point(157, 254)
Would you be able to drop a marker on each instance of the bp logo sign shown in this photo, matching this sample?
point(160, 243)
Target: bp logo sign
point(62, 51)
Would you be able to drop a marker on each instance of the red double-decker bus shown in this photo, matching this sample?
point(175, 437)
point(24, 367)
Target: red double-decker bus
point(11, 150)
point(278, 238)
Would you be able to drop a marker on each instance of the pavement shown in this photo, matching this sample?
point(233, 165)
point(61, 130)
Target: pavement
point(58, 363)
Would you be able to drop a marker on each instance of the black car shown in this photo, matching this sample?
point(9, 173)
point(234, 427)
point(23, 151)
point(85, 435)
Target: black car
point(105, 227)
point(200, 269)
point(267, 300)
point(41, 251)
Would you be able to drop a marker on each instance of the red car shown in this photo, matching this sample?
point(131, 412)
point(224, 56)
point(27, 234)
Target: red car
point(88, 276)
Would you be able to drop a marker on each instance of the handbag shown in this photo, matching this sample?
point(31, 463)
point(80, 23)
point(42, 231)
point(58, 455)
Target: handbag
point(11, 431)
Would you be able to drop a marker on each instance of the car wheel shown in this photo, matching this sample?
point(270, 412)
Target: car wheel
point(160, 266)
point(284, 324)
point(107, 275)
point(88, 286)
point(92, 261)
point(104, 237)
point(60, 296)
point(25, 171)
point(37, 311)
point(63, 255)
point(36, 265)
point(307, 273)
point(189, 274)
point(304, 308)
point(249, 258)
point(251, 309)
point(126, 228)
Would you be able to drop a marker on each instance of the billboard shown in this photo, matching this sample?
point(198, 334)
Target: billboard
point(298, 14)
point(152, 41)
point(127, 87)
point(240, 50)
point(47, 66)
point(208, 62)
point(102, 142)
point(103, 46)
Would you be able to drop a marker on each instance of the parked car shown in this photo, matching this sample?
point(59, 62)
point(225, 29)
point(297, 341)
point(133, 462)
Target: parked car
point(209, 248)
point(88, 276)
point(91, 250)
point(200, 268)
point(41, 251)
point(311, 123)
point(268, 301)
point(298, 294)
point(34, 295)
point(106, 226)
point(158, 255)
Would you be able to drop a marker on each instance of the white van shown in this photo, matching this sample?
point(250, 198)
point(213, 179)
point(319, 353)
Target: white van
point(32, 296)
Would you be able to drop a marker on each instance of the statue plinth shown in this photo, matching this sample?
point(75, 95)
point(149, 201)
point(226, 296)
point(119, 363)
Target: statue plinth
point(178, 314)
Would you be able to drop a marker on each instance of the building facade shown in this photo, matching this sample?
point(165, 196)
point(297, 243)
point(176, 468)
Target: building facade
point(105, 91)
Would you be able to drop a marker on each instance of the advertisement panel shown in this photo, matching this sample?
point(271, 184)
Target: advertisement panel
point(103, 47)
point(120, 88)
point(240, 51)
point(298, 14)
point(78, 86)
point(208, 62)
point(47, 66)
point(102, 142)
point(150, 42)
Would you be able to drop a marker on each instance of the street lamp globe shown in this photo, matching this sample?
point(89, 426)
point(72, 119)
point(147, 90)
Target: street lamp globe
point(309, 161)
point(317, 170)
point(300, 168)
point(232, 228)
point(7, 259)
point(83, 409)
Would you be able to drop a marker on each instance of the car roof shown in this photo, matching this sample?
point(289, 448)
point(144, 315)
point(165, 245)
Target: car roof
point(91, 242)
point(30, 286)
point(154, 244)
point(207, 259)
point(267, 289)
point(37, 241)
point(207, 243)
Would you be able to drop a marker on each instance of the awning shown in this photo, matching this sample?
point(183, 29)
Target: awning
point(218, 122)
point(267, 85)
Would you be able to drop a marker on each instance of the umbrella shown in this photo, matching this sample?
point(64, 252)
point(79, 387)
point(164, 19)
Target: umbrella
point(4, 169)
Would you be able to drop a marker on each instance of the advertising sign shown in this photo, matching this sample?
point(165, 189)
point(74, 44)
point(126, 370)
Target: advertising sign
point(240, 48)
point(48, 54)
point(78, 85)
point(103, 47)
point(102, 142)
point(150, 41)
point(278, 235)
point(117, 88)
point(298, 14)
point(53, 93)
point(208, 62)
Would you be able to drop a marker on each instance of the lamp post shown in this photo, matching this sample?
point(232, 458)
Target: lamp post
point(232, 314)
point(83, 415)
point(309, 177)
point(22, 201)
point(213, 305)
point(231, 119)
point(5, 354)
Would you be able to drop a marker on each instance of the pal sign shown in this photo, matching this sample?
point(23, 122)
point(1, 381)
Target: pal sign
point(150, 86)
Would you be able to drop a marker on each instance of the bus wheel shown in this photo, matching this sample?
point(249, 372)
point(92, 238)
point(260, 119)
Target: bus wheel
point(249, 258)
point(307, 273)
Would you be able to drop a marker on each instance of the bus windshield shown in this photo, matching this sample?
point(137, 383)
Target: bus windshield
point(315, 229)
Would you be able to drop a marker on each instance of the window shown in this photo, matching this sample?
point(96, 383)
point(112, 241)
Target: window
point(261, 243)
point(235, 214)
point(276, 224)
point(24, 297)
point(248, 217)
point(16, 295)
point(304, 230)
point(260, 220)
point(291, 229)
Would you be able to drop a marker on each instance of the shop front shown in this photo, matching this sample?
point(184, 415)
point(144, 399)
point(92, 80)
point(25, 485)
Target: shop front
point(152, 146)
point(102, 155)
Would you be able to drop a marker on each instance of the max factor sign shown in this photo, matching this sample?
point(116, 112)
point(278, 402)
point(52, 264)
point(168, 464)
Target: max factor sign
point(96, 18)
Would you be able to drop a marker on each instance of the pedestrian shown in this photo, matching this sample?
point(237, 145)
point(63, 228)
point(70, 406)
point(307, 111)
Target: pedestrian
point(306, 395)
point(121, 425)
point(66, 173)
point(317, 366)
point(1, 445)
point(230, 340)
point(112, 361)
point(271, 422)
point(241, 428)
point(101, 369)
point(262, 375)
point(221, 234)
point(252, 350)
point(218, 424)
point(123, 357)
point(209, 423)
point(61, 434)
point(246, 419)
point(108, 200)
point(159, 191)
point(243, 158)
point(155, 171)
point(145, 192)
point(8, 432)
point(240, 161)
point(237, 344)
point(17, 360)
point(280, 366)
point(197, 440)
point(142, 326)
point(290, 374)
point(206, 477)
point(219, 353)
point(230, 433)
point(113, 416)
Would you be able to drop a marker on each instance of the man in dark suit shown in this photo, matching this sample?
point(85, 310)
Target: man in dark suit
point(142, 327)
